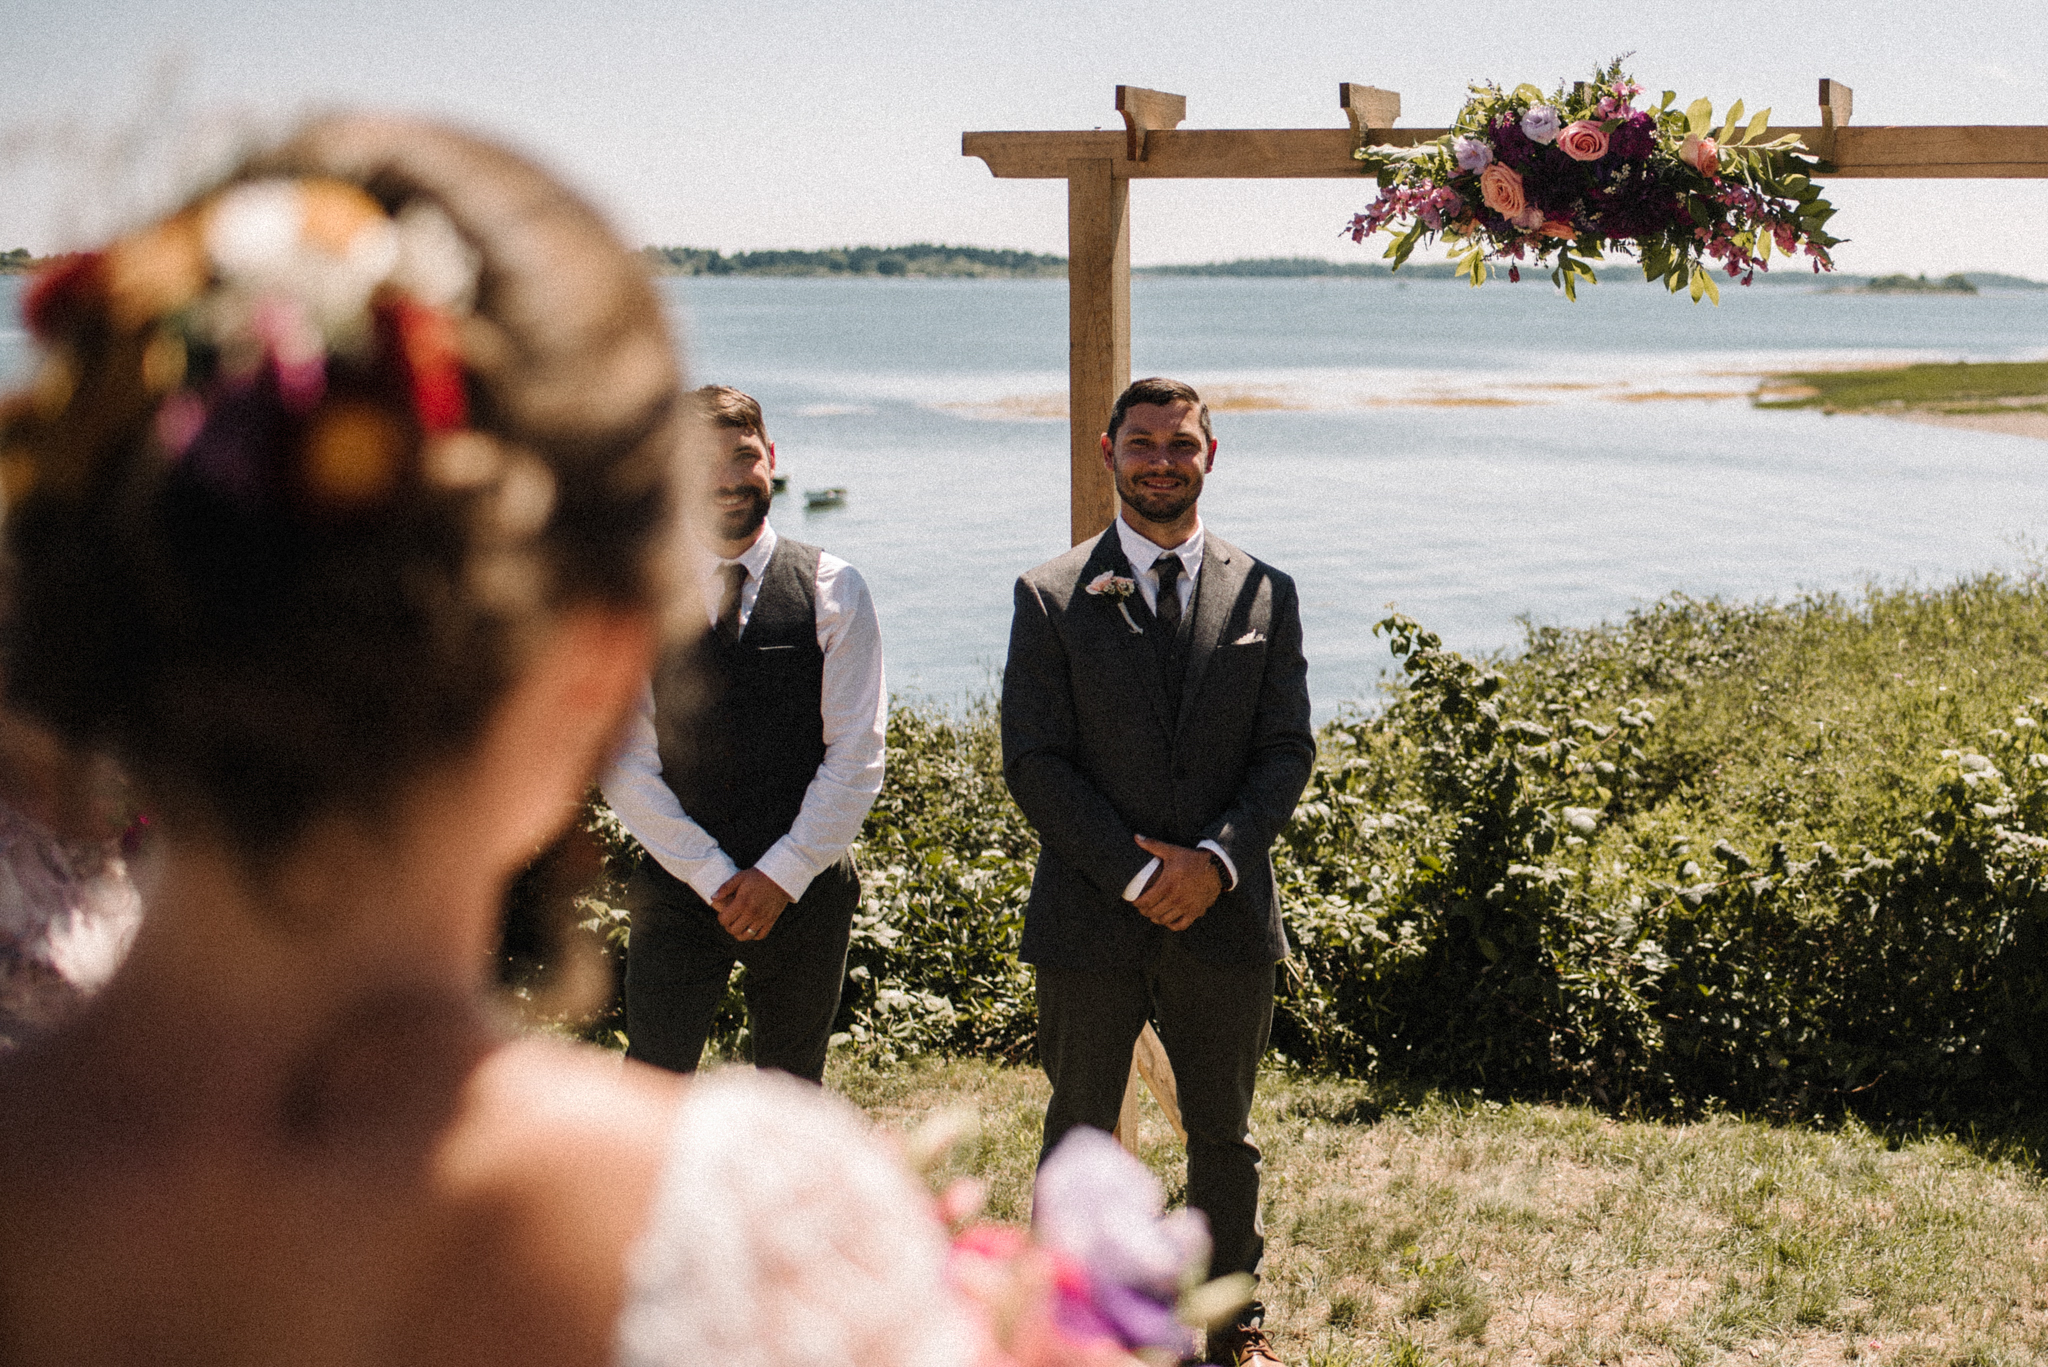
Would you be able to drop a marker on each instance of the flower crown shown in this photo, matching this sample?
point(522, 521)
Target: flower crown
point(288, 342)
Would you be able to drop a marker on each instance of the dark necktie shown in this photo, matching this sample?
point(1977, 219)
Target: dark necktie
point(1168, 609)
point(728, 627)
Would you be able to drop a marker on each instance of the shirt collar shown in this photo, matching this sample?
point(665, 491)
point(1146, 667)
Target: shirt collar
point(1141, 552)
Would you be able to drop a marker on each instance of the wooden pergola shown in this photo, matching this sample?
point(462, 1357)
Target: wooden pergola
point(1100, 165)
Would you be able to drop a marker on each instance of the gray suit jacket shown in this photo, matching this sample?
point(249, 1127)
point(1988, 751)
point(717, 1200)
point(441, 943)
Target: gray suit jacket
point(1092, 756)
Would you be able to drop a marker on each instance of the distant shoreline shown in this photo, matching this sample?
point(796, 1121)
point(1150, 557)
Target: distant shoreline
point(936, 261)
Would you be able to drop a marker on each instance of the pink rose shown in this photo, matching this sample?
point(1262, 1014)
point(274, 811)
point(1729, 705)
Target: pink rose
point(1530, 218)
point(1702, 154)
point(1501, 187)
point(1583, 141)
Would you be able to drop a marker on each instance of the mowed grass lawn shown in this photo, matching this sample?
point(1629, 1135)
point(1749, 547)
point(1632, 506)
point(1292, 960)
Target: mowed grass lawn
point(1426, 1230)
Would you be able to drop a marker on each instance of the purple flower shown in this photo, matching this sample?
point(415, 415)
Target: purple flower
point(1473, 154)
point(1102, 1207)
point(1541, 124)
point(1510, 144)
point(1634, 137)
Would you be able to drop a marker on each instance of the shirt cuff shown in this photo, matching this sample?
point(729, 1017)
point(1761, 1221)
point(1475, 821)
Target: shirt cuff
point(785, 869)
point(1228, 867)
point(1137, 885)
point(706, 876)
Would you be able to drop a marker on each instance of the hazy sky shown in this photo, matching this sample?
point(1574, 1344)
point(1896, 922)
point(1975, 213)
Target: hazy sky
point(809, 124)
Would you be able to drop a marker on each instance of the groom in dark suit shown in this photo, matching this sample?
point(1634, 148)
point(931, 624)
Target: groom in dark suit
point(1156, 732)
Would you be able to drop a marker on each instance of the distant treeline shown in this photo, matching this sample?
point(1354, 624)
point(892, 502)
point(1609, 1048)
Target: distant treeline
point(18, 261)
point(1298, 267)
point(917, 259)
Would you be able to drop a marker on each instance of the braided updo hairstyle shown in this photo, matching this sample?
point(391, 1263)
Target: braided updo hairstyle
point(312, 466)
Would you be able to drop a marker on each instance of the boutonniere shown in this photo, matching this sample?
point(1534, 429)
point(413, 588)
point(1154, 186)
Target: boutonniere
point(1120, 589)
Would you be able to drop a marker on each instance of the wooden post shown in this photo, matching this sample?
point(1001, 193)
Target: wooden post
point(1837, 103)
point(1369, 108)
point(1145, 111)
point(1098, 330)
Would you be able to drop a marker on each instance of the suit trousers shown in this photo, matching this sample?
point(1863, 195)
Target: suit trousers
point(679, 960)
point(1214, 1023)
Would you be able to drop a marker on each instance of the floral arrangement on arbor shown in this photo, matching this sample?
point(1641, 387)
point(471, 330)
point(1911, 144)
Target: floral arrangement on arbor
point(1554, 179)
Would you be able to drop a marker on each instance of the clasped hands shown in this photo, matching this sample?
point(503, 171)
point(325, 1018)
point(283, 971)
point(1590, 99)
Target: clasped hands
point(748, 904)
point(1185, 885)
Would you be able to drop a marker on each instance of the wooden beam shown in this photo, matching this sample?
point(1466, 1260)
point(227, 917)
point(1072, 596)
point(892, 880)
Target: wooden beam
point(1935, 152)
point(1098, 330)
point(1147, 111)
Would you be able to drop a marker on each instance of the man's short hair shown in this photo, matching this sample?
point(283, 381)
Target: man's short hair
point(723, 406)
point(1159, 392)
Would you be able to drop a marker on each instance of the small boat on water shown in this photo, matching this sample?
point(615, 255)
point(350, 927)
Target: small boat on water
point(834, 497)
point(779, 483)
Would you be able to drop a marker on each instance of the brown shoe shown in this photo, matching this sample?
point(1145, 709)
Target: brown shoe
point(1242, 1345)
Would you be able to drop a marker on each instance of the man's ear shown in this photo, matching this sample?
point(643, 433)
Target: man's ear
point(1210, 464)
point(1108, 454)
point(771, 455)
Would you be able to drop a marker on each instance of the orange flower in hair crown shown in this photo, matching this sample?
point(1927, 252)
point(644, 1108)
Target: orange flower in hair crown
point(295, 345)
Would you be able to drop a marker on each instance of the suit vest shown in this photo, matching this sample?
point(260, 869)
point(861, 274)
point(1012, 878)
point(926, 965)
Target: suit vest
point(740, 726)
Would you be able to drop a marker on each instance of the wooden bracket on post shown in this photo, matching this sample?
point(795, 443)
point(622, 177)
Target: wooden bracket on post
point(1368, 108)
point(1837, 103)
point(1149, 1067)
point(1146, 111)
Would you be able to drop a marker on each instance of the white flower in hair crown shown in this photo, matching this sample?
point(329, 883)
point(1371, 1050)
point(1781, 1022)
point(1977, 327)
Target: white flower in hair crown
point(1119, 589)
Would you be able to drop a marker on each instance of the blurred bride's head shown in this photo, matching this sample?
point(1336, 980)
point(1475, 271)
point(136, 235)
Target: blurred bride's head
point(351, 475)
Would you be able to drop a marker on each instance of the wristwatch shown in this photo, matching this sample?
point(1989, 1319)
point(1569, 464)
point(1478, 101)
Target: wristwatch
point(1222, 869)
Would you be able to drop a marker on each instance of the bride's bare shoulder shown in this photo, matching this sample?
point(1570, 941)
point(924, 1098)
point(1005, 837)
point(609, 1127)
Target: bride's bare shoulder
point(543, 1108)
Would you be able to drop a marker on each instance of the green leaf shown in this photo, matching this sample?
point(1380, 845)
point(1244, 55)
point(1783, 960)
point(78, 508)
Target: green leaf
point(1528, 92)
point(1699, 116)
point(1758, 126)
point(1728, 128)
point(1699, 283)
point(1665, 103)
point(1713, 290)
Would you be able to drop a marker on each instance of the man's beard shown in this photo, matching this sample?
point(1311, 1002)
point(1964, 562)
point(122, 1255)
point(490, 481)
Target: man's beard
point(1163, 507)
point(737, 524)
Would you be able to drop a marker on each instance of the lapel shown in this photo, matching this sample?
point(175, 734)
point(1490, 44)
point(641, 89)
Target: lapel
point(1133, 649)
point(1224, 570)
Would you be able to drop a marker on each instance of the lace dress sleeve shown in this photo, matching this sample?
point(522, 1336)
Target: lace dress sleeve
point(784, 1234)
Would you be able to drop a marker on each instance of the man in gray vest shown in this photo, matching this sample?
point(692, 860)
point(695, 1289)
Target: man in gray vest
point(1156, 732)
point(745, 775)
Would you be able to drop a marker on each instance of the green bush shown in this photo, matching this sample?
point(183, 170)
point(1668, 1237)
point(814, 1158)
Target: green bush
point(1788, 858)
point(1713, 854)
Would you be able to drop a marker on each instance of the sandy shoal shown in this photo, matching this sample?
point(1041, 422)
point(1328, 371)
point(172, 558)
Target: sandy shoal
point(2011, 424)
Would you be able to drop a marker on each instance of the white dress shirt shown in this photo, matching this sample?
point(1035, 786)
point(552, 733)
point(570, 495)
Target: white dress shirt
point(1144, 556)
point(855, 708)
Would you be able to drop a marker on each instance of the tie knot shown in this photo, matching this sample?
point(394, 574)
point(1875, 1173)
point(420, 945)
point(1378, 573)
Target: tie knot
point(735, 573)
point(1168, 566)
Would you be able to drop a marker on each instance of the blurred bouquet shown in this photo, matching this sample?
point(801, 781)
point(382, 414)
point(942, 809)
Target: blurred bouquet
point(1524, 176)
point(1103, 1276)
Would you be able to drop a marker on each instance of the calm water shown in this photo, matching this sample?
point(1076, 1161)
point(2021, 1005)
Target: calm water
point(1473, 457)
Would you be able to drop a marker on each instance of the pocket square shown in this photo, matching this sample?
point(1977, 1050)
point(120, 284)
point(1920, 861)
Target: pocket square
point(768, 648)
point(1250, 638)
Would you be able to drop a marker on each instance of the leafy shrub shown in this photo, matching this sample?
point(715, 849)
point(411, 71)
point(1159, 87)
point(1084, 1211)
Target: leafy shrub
point(1614, 866)
point(1791, 858)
